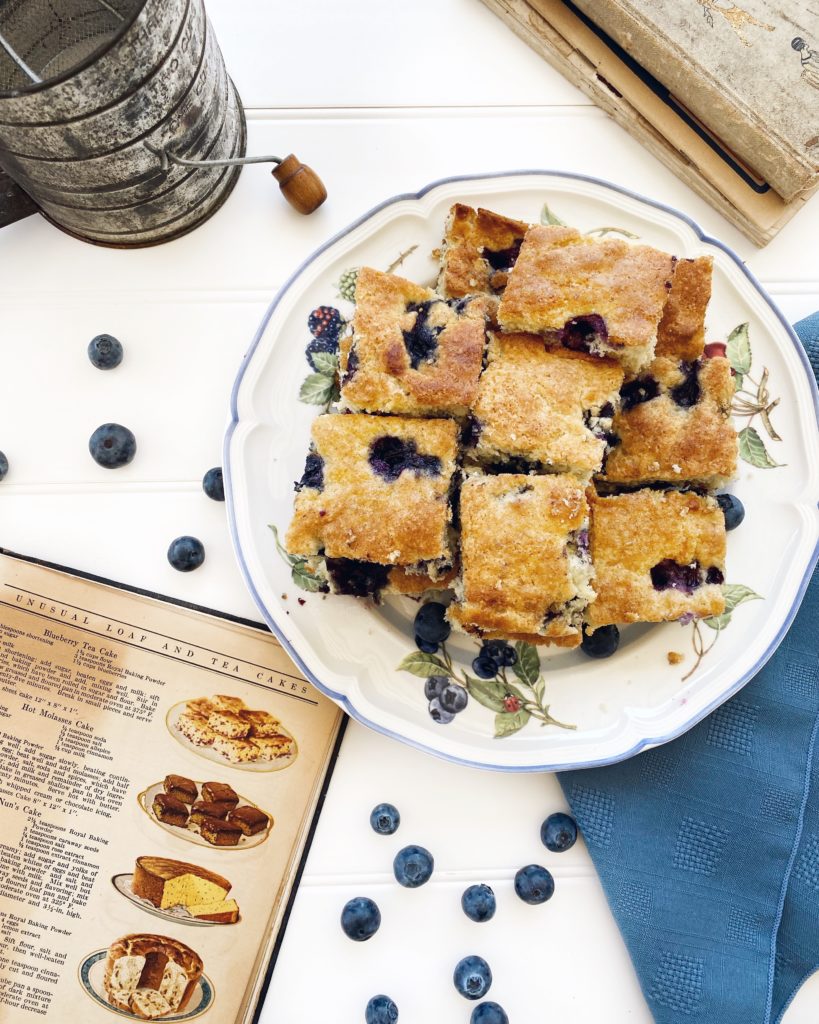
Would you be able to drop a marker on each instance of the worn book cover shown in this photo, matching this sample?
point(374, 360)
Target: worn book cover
point(749, 70)
point(160, 771)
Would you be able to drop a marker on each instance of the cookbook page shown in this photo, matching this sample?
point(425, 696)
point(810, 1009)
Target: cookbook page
point(158, 771)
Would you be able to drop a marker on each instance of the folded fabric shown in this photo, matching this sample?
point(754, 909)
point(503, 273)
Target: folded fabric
point(708, 847)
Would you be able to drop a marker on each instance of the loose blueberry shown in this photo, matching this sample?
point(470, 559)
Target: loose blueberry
point(671, 575)
point(430, 624)
point(558, 832)
point(381, 1010)
point(602, 643)
point(472, 977)
point(500, 652)
point(732, 509)
point(213, 484)
point(186, 553)
point(385, 819)
point(453, 698)
point(484, 668)
point(425, 646)
point(488, 1013)
point(360, 918)
point(4, 465)
point(434, 685)
point(325, 322)
point(105, 352)
point(534, 884)
point(478, 902)
point(438, 713)
point(412, 866)
point(112, 445)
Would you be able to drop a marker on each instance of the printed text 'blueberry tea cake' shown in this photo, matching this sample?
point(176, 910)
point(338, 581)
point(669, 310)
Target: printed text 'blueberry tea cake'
point(538, 437)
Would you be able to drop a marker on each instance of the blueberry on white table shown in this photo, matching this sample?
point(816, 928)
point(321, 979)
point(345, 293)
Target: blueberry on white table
point(431, 628)
point(412, 866)
point(186, 553)
point(478, 902)
point(602, 643)
point(213, 485)
point(112, 445)
point(534, 884)
point(472, 977)
point(488, 1013)
point(4, 465)
point(385, 819)
point(105, 351)
point(360, 918)
point(381, 1010)
point(732, 509)
point(558, 832)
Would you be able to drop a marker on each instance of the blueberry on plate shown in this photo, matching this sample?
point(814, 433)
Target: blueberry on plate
point(434, 685)
point(385, 819)
point(186, 553)
point(732, 509)
point(213, 484)
point(105, 352)
point(360, 918)
point(558, 832)
point(534, 884)
point(438, 713)
point(430, 624)
point(478, 902)
point(381, 1010)
point(112, 445)
point(453, 698)
point(4, 465)
point(602, 643)
point(488, 1013)
point(412, 866)
point(472, 977)
point(425, 646)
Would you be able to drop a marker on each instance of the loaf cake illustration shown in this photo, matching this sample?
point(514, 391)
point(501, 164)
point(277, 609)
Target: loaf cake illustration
point(174, 883)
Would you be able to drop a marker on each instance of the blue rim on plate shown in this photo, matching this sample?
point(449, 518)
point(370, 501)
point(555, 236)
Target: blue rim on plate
point(100, 954)
point(276, 628)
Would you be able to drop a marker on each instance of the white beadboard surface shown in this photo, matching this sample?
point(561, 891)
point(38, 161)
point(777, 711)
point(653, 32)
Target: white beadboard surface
point(380, 98)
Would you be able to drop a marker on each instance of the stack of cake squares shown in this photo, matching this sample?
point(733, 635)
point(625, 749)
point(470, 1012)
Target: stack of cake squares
point(539, 435)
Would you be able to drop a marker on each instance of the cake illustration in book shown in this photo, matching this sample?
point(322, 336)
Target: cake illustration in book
point(179, 891)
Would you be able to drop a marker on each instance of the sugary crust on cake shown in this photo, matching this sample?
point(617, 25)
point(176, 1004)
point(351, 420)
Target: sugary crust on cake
point(360, 515)
point(681, 333)
point(261, 723)
point(561, 274)
point(515, 531)
point(228, 723)
point(271, 748)
point(531, 404)
point(469, 232)
point(660, 441)
point(376, 368)
point(632, 533)
point(223, 702)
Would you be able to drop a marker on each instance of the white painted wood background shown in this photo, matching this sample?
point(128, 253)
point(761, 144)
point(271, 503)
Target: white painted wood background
point(380, 98)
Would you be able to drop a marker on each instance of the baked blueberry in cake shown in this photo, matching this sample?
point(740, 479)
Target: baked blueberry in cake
point(479, 249)
point(674, 426)
point(604, 297)
point(383, 502)
point(658, 555)
point(525, 568)
point(550, 409)
point(681, 333)
point(411, 351)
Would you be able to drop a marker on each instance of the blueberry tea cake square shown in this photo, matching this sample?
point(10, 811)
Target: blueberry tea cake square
point(681, 332)
point(479, 249)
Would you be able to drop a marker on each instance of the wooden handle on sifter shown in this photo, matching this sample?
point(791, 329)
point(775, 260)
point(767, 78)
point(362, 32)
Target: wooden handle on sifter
point(300, 185)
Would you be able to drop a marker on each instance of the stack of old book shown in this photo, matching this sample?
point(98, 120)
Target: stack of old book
point(725, 93)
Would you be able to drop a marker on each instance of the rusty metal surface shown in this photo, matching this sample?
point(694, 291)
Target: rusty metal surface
point(83, 147)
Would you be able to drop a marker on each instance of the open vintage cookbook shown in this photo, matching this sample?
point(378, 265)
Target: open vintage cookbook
point(161, 768)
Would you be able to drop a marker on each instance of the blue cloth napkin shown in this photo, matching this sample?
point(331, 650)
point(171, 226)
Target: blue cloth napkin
point(708, 847)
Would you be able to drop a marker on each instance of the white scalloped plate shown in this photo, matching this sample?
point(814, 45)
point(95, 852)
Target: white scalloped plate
point(350, 649)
